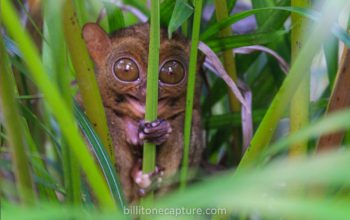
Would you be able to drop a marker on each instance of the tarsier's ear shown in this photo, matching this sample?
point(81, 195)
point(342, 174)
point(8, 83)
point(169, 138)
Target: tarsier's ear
point(97, 41)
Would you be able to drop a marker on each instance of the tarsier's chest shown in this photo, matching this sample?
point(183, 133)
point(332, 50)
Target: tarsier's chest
point(121, 63)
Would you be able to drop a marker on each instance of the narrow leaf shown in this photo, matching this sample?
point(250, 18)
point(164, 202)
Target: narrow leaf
point(181, 12)
point(339, 32)
point(115, 16)
point(101, 155)
point(221, 44)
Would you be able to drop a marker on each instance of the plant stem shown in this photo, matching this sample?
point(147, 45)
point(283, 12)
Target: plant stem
point(57, 105)
point(84, 69)
point(149, 150)
point(230, 67)
point(228, 55)
point(299, 107)
point(15, 130)
point(190, 90)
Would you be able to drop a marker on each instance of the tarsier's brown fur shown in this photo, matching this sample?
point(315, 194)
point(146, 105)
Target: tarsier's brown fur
point(125, 102)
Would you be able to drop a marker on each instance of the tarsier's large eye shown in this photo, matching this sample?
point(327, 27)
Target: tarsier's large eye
point(172, 72)
point(126, 70)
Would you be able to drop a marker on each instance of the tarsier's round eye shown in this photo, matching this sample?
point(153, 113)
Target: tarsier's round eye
point(126, 70)
point(172, 72)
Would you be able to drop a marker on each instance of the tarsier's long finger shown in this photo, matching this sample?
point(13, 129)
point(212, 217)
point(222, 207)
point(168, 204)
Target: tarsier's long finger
point(155, 132)
point(146, 181)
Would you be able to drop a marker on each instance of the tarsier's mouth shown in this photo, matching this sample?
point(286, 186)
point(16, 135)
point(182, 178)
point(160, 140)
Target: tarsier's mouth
point(137, 105)
point(141, 102)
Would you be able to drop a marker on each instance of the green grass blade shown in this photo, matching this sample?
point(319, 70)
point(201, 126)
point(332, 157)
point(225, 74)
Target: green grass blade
point(139, 5)
point(115, 17)
point(331, 50)
point(192, 71)
point(84, 69)
point(15, 130)
point(55, 60)
point(101, 155)
point(33, 118)
point(181, 13)
point(166, 11)
point(334, 122)
point(274, 19)
point(39, 169)
point(268, 192)
point(262, 17)
point(56, 211)
point(230, 119)
point(86, 77)
point(235, 41)
point(280, 102)
point(57, 105)
point(339, 32)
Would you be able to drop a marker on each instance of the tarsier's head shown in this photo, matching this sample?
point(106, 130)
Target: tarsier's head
point(121, 63)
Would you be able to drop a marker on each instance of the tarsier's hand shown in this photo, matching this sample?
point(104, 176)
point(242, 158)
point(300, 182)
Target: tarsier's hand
point(155, 132)
point(146, 181)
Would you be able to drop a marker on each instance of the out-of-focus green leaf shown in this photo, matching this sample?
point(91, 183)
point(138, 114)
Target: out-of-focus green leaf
point(340, 33)
point(56, 103)
point(102, 157)
point(331, 49)
point(34, 119)
point(281, 100)
point(166, 11)
point(220, 44)
point(230, 119)
point(115, 16)
point(17, 140)
point(181, 12)
point(231, 5)
point(46, 210)
point(332, 123)
point(140, 5)
point(276, 18)
point(262, 17)
point(39, 168)
point(268, 192)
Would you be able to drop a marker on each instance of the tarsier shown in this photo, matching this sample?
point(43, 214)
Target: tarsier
point(121, 65)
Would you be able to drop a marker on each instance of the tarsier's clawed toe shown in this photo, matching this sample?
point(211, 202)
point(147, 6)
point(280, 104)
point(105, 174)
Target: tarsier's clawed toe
point(155, 132)
point(146, 181)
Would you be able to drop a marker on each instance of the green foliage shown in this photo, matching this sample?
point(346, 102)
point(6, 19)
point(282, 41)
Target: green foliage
point(70, 168)
point(15, 130)
point(101, 154)
point(182, 11)
point(115, 16)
